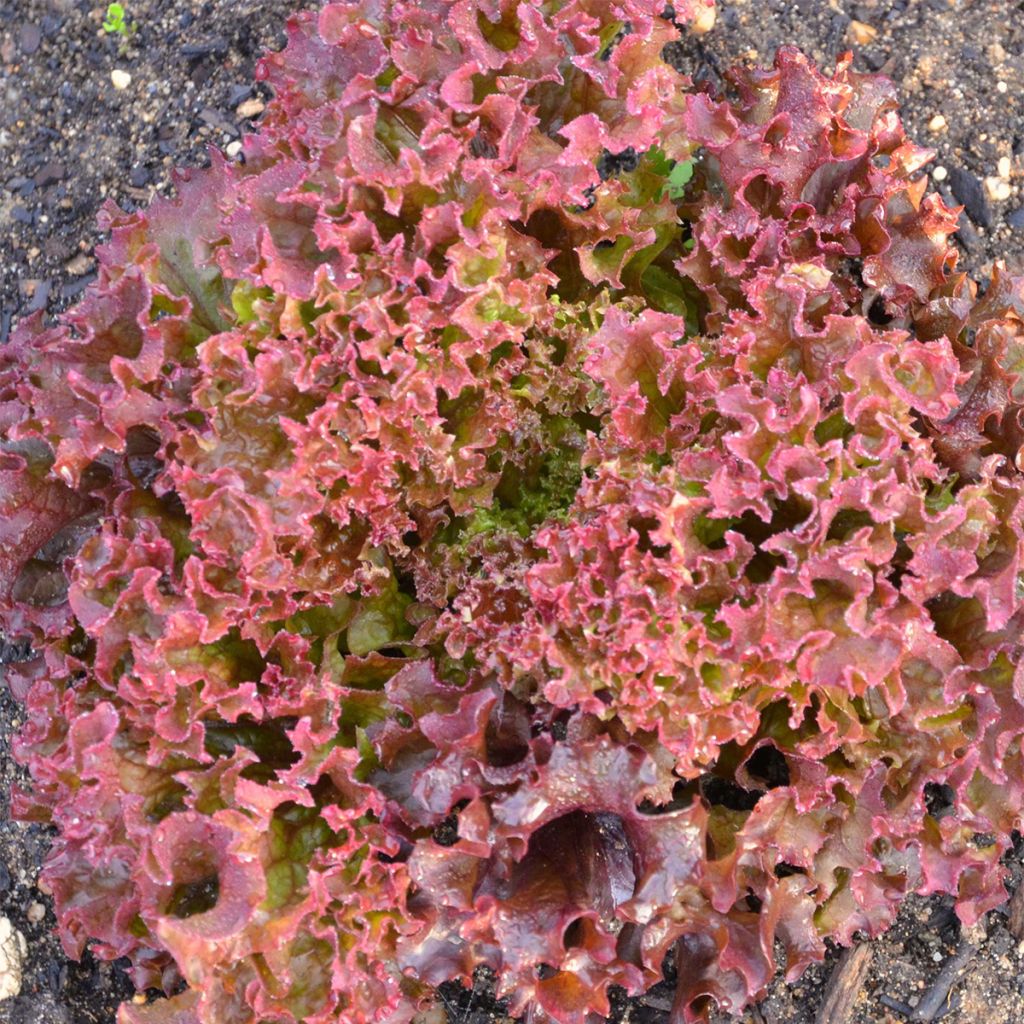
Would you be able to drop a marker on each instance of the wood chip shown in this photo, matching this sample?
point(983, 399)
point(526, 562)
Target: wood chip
point(1016, 913)
point(844, 985)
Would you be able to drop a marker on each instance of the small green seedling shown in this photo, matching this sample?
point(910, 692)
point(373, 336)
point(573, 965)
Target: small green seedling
point(680, 174)
point(114, 22)
point(677, 173)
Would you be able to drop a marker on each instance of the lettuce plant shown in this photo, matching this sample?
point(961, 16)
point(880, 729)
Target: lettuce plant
point(530, 514)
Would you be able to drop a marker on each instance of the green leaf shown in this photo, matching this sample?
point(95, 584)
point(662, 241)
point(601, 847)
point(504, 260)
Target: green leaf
point(664, 290)
point(941, 497)
point(114, 21)
point(633, 272)
point(660, 163)
point(676, 173)
point(711, 532)
point(678, 179)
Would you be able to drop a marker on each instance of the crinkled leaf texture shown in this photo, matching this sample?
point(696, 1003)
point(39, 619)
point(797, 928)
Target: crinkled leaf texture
point(439, 554)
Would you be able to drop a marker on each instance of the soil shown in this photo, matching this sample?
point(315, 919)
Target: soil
point(69, 140)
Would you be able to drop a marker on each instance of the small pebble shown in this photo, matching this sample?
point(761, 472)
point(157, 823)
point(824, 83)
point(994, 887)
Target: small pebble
point(1015, 219)
point(1003, 167)
point(35, 913)
point(120, 79)
point(29, 38)
point(49, 174)
point(1001, 87)
point(238, 93)
point(937, 124)
point(12, 955)
point(940, 173)
point(250, 108)
point(233, 148)
point(997, 189)
point(703, 21)
point(78, 265)
point(969, 191)
point(862, 33)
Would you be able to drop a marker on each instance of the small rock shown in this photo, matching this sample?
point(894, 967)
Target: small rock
point(996, 53)
point(138, 176)
point(967, 234)
point(15, 183)
point(12, 954)
point(49, 174)
point(703, 21)
point(969, 192)
point(35, 913)
point(1001, 86)
point(238, 94)
point(215, 119)
point(120, 79)
point(218, 46)
point(862, 33)
point(69, 291)
point(78, 265)
point(233, 149)
point(29, 38)
point(1004, 166)
point(1015, 219)
point(937, 124)
point(998, 189)
point(940, 173)
point(973, 55)
point(250, 108)
point(39, 297)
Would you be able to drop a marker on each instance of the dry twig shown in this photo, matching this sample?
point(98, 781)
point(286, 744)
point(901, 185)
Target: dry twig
point(844, 985)
point(936, 995)
point(1016, 913)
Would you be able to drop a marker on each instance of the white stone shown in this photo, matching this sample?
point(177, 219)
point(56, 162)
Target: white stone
point(940, 173)
point(703, 21)
point(997, 189)
point(120, 79)
point(12, 955)
point(250, 108)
